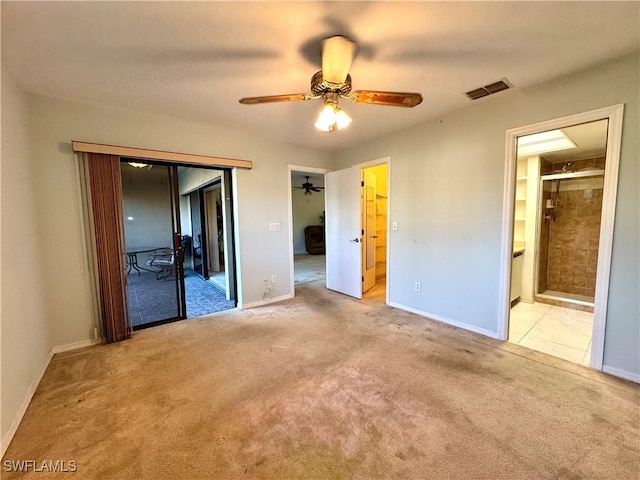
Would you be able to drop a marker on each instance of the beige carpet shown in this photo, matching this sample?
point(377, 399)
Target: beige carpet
point(326, 387)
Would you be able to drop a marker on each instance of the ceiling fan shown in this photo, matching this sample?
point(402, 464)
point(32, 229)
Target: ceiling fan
point(334, 82)
point(308, 187)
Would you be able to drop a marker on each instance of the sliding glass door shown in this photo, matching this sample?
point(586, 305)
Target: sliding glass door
point(153, 243)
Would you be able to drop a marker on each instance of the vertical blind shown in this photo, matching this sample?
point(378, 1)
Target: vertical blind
point(105, 191)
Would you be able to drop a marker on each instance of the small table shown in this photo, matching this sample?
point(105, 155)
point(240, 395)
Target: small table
point(132, 258)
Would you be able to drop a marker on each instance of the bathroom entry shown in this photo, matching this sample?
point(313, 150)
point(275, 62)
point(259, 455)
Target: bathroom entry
point(556, 239)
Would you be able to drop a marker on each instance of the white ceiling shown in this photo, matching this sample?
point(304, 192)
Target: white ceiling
point(196, 59)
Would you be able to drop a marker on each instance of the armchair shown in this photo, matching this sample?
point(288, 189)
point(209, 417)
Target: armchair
point(314, 239)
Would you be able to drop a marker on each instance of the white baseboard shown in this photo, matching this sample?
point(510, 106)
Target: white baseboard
point(616, 372)
point(448, 321)
point(268, 301)
point(6, 440)
point(25, 404)
point(75, 346)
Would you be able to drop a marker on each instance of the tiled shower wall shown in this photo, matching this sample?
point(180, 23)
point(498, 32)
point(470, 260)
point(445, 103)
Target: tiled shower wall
point(573, 237)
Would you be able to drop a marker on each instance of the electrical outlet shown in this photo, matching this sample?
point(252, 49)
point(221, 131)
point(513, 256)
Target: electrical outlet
point(418, 287)
point(394, 225)
point(273, 279)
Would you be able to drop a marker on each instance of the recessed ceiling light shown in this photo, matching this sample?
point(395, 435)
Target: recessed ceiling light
point(550, 141)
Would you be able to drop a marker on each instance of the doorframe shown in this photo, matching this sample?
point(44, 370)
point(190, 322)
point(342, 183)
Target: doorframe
point(614, 115)
point(302, 169)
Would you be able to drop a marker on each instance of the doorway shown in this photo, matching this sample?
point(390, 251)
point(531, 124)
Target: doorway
point(560, 189)
point(167, 274)
point(307, 220)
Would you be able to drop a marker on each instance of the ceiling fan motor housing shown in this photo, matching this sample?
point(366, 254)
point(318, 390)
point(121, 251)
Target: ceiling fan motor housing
point(319, 86)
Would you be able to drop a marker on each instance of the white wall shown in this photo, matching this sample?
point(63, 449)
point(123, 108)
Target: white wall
point(146, 201)
point(446, 195)
point(26, 331)
point(56, 122)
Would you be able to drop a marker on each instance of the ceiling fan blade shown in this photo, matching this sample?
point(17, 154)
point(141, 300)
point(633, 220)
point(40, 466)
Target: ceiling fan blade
point(394, 99)
point(337, 55)
point(292, 97)
point(316, 189)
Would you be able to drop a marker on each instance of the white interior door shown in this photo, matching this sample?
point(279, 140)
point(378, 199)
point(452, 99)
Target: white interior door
point(343, 233)
point(369, 227)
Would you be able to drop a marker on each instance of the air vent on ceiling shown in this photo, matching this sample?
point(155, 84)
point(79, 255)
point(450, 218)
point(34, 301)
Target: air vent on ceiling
point(490, 89)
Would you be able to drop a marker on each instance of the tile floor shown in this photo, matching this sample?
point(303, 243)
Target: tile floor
point(152, 300)
point(557, 331)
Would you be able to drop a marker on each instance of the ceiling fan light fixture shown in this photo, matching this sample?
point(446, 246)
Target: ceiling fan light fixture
point(342, 119)
point(332, 118)
point(334, 82)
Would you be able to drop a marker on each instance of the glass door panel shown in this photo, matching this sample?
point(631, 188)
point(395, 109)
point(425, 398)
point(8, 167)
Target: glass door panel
point(198, 224)
point(155, 283)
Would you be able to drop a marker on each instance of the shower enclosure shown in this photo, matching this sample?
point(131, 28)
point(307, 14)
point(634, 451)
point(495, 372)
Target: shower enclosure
point(570, 212)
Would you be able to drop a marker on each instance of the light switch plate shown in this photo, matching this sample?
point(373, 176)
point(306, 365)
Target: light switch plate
point(274, 227)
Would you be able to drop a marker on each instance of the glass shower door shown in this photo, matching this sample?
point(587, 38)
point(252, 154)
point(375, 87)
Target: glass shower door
point(569, 233)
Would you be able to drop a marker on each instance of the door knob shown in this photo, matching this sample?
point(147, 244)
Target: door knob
point(357, 240)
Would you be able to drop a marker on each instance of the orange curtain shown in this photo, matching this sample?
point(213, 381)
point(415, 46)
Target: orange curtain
point(105, 191)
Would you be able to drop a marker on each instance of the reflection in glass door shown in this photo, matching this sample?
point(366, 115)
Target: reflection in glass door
point(198, 234)
point(155, 280)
